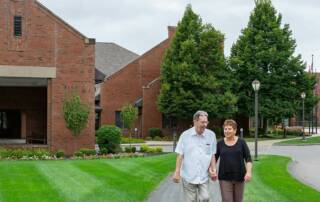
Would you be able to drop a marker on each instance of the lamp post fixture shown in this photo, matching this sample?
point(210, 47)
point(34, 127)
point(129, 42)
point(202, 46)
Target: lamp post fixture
point(256, 87)
point(303, 95)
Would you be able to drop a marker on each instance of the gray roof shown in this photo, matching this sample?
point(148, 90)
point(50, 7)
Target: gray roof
point(111, 57)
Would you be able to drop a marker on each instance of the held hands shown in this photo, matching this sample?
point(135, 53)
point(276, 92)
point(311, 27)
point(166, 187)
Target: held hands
point(176, 177)
point(247, 177)
point(213, 173)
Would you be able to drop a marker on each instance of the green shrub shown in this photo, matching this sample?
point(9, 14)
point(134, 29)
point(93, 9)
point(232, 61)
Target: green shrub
point(144, 148)
point(130, 149)
point(158, 149)
point(167, 138)
point(60, 154)
point(87, 152)
point(24, 153)
point(277, 131)
point(78, 154)
point(153, 132)
point(104, 151)
point(109, 137)
point(157, 138)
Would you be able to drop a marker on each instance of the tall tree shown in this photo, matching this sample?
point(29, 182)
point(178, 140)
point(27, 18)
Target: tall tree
point(193, 73)
point(265, 51)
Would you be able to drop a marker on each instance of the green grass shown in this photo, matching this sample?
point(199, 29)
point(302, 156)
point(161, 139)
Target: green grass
point(271, 182)
point(83, 180)
point(131, 180)
point(309, 140)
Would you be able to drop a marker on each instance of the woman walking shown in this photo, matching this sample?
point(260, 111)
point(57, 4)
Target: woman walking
point(235, 163)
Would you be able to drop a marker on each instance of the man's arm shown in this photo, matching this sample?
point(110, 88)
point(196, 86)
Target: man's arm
point(176, 176)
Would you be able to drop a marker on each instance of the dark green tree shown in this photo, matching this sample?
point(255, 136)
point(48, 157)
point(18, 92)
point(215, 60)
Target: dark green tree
point(265, 51)
point(194, 74)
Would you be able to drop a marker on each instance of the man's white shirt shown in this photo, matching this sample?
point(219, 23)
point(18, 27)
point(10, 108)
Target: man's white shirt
point(197, 151)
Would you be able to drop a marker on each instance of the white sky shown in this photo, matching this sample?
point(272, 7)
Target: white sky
point(138, 25)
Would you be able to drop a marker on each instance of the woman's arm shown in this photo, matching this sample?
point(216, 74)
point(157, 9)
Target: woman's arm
point(248, 175)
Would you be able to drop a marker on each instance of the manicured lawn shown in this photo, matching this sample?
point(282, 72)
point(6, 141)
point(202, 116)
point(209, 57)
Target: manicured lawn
point(272, 182)
point(83, 180)
point(309, 140)
point(130, 180)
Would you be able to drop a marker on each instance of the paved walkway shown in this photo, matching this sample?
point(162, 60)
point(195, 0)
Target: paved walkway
point(305, 167)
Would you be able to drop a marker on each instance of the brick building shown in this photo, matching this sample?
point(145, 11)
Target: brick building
point(136, 83)
point(42, 60)
point(109, 58)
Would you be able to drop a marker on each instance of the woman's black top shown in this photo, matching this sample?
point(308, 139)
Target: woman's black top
point(232, 160)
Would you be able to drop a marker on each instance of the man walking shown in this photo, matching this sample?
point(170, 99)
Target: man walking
point(196, 149)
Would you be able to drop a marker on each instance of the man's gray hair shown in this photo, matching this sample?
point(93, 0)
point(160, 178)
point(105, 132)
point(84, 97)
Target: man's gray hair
point(199, 113)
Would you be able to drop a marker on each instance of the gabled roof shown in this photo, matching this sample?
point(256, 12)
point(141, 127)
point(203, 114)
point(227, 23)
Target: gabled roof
point(65, 24)
point(111, 57)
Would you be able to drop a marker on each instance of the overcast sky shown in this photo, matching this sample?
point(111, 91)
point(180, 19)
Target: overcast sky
point(138, 25)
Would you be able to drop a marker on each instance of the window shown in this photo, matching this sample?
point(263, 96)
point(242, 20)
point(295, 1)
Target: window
point(118, 119)
point(17, 23)
point(3, 120)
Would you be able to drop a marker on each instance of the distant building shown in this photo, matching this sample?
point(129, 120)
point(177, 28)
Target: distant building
point(109, 58)
point(42, 60)
point(136, 83)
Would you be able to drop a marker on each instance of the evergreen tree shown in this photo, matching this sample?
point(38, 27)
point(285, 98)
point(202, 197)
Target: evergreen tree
point(265, 51)
point(194, 74)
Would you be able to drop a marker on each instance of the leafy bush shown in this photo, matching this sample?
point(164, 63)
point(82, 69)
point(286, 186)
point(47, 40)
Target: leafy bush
point(87, 152)
point(277, 131)
point(109, 137)
point(167, 138)
point(78, 154)
point(25, 153)
point(103, 151)
point(157, 138)
point(146, 149)
point(153, 132)
point(60, 154)
point(130, 149)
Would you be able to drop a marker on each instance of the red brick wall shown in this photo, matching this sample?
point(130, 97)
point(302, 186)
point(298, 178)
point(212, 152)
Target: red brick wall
point(48, 41)
point(121, 88)
point(151, 117)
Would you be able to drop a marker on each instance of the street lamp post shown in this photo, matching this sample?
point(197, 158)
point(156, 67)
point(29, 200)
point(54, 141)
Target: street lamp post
point(256, 86)
point(303, 95)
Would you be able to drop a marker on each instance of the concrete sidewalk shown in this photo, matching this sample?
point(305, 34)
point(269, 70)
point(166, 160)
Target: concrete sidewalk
point(168, 191)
